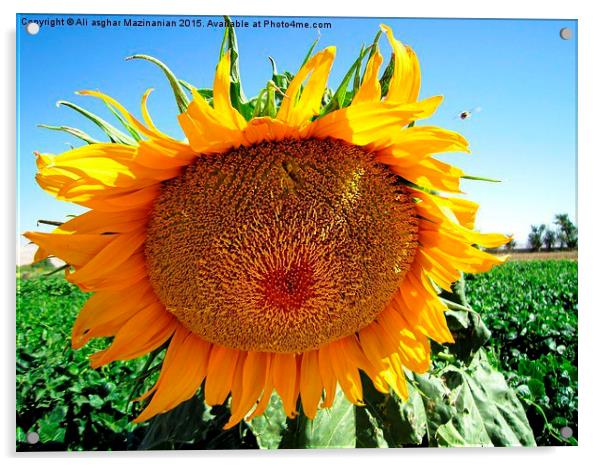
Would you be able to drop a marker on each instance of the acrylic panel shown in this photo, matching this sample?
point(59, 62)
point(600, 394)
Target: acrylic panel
point(295, 232)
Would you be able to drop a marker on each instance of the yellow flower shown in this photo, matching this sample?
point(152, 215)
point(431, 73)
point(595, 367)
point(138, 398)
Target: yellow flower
point(286, 253)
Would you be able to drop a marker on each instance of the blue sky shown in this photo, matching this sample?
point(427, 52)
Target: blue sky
point(519, 72)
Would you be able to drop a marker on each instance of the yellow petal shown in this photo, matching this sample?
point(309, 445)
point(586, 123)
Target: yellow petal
point(311, 385)
point(182, 373)
point(296, 110)
point(107, 311)
point(145, 331)
point(371, 122)
point(370, 90)
point(221, 94)
point(73, 249)
point(220, 374)
point(419, 142)
point(252, 384)
point(431, 174)
point(284, 373)
point(327, 376)
point(405, 81)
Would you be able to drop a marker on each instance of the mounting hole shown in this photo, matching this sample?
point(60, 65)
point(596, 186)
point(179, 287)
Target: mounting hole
point(32, 28)
point(566, 432)
point(566, 33)
point(33, 437)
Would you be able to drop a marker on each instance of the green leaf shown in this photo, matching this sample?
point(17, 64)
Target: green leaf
point(470, 334)
point(332, 428)
point(497, 406)
point(435, 398)
point(270, 426)
point(537, 388)
point(368, 433)
point(466, 427)
point(51, 426)
point(399, 422)
point(180, 425)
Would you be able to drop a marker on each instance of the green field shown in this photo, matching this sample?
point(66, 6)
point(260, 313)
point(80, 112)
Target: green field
point(530, 308)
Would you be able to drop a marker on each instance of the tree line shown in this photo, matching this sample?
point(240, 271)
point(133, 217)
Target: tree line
point(562, 235)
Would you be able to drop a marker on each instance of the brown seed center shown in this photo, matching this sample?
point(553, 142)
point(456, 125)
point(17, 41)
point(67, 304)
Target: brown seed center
point(283, 246)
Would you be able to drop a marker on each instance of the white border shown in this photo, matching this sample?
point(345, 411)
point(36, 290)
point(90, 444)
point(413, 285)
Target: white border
point(590, 77)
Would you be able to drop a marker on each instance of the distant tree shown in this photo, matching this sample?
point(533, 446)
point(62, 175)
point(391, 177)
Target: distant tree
point(511, 245)
point(567, 236)
point(535, 238)
point(549, 238)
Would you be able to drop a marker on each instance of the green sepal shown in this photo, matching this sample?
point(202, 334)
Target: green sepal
point(385, 79)
point(341, 96)
point(280, 82)
point(237, 95)
point(480, 178)
point(206, 93)
point(180, 96)
point(130, 129)
point(112, 133)
point(78, 133)
point(309, 52)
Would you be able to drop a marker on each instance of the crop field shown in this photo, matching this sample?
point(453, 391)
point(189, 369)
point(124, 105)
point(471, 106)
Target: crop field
point(529, 306)
point(531, 309)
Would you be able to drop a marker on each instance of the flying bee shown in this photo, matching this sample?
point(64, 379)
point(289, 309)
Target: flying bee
point(466, 114)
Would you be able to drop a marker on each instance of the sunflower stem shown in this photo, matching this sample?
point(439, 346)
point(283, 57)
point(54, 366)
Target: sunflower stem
point(57, 270)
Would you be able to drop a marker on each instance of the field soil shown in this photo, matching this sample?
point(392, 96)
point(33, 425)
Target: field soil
point(541, 255)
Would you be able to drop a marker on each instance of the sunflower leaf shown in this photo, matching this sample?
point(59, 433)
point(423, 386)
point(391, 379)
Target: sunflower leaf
point(78, 133)
point(270, 426)
point(398, 422)
point(487, 411)
point(331, 428)
point(180, 425)
point(112, 133)
point(181, 98)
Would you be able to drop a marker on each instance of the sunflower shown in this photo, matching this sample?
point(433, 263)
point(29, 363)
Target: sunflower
point(287, 249)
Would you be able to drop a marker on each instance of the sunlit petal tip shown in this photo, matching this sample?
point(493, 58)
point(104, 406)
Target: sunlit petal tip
point(330, 51)
point(385, 28)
